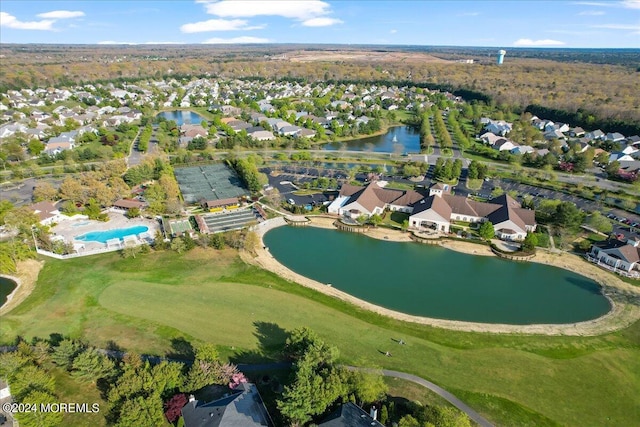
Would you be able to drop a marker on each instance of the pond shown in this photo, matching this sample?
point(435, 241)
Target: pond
point(6, 287)
point(435, 282)
point(398, 139)
point(182, 116)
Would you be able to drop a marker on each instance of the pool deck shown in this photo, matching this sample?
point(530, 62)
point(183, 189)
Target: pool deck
point(623, 297)
point(69, 230)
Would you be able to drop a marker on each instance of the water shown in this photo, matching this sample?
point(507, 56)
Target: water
point(182, 117)
point(407, 140)
point(6, 287)
point(435, 282)
point(118, 233)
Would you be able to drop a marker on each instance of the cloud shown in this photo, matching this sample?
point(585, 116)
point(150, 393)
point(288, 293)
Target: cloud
point(295, 9)
point(544, 42)
point(469, 14)
point(627, 4)
point(218, 25)
point(592, 13)
point(236, 40)
point(61, 14)
point(321, 22)
point(617, 27)
point(10, 21)
point(631, 4)
point(393, 31)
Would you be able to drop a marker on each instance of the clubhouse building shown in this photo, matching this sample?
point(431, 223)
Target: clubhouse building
point(436, 210)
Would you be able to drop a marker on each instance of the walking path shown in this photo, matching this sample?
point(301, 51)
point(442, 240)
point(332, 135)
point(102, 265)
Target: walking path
point(476, 417)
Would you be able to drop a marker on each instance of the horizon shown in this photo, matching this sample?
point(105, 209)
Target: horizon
point(490, 24)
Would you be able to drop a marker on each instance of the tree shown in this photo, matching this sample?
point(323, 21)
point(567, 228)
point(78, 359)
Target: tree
point(28, 379)
point(597, 221)
point(44, 191)
point(530, 242)
point(91, 366)
point(71, 189)
point(612, 168)
point(178, 245)
point(375, 220)
point(40, 418)
point(133, 213)
point(486, 230)
point(568, 215)
point(368, 387)
point(173, 407)
point(35, 147)
point(65, 352)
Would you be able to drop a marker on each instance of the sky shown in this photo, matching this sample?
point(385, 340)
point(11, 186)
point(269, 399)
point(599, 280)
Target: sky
point(504, 24)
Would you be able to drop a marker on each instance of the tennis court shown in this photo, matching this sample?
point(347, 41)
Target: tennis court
point(209, 182)
point(217, 223)
point(180, 226)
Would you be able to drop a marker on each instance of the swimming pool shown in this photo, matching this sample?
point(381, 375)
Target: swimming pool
point(118, 233)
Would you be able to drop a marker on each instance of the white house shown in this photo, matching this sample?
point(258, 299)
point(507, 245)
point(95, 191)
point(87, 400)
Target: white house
point(617, 254)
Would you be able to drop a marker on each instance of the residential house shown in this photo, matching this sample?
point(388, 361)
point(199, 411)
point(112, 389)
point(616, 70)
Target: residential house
point(244, 407)
point(522, 149)
point(595, 135)
point(291, 130)
point(350, 415)
point(504, 145)
point(47, 212)
point(554, 134)
point(306, 133)
point(499, 127)
point(622, 255)
point(614, 137)
point(262, 135)
point(576, 132)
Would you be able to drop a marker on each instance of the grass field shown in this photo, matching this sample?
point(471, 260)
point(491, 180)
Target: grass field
point(204, 295)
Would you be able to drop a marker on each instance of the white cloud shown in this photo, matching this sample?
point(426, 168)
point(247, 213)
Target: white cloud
point(295, 9)
point(544, 42)
point(321, 22)
point(236, 40)
point(469, 14)
point(627, 4)
point(591, 13)
point(61, 14)
point(393, 31)
point(618, 27)
point(218, 25)
point(631, 4)
point(10, 21)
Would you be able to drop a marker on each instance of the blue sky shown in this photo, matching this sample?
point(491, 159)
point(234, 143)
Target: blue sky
point(574, 24)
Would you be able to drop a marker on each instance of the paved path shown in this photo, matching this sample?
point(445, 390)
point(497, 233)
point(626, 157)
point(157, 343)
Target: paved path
point(442, 393)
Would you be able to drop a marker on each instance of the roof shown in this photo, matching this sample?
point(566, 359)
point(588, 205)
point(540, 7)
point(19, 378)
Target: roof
point(243, 408)
point(349, 415)
point(128, 204)
point(620, 250)
point(464, 206)
point(511, 210)
point(437, 204)
point(221, 202)
point(44, 210)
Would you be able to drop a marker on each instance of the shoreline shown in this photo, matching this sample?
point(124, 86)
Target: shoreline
point(623, 297)
point(25, 279)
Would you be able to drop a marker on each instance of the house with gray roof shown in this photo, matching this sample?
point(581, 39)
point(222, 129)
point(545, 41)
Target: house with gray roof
point(349, 415)
point(242, 408)
point(617, 254)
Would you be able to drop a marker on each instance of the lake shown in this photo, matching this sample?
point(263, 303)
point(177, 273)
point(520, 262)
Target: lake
point(435, 282)
point(6, 287)
point(407, 140)
point(182, 117)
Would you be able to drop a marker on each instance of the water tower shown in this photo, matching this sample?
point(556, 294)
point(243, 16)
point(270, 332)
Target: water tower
point(501, 54)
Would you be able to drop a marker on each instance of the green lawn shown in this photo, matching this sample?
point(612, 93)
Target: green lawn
point(206, 295)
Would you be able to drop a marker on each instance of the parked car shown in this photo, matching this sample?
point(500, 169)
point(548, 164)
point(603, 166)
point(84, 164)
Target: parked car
point(292, 202)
